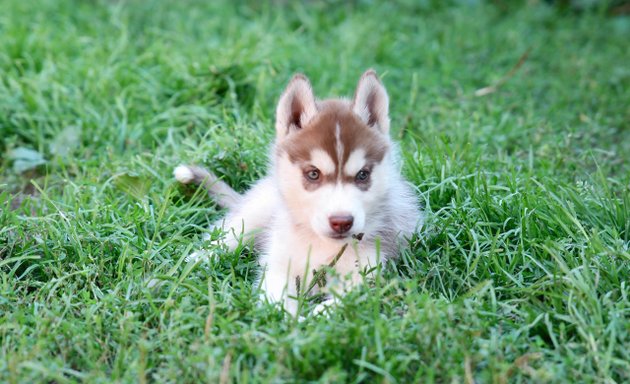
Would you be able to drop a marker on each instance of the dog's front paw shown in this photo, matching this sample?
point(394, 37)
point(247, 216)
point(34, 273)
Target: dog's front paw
point(200, 255)
point(325, 307)
point(209, 252)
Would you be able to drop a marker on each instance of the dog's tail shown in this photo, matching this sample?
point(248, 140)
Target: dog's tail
point(223, 194)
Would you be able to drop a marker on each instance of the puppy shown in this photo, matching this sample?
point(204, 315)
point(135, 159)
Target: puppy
point(333, 181)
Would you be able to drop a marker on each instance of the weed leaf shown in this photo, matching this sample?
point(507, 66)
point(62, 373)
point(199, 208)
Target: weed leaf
point(25, 159)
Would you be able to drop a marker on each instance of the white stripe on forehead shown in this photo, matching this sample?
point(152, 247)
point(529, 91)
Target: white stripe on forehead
point(355, 162)
point(322, 160)
point(338, 146)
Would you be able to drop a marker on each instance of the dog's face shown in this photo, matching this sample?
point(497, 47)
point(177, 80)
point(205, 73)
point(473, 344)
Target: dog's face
point(332, 157)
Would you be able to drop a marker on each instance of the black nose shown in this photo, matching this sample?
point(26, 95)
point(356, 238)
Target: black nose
point(341, 223)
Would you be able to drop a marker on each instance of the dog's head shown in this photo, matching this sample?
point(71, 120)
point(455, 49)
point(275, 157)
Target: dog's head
point(332, 157)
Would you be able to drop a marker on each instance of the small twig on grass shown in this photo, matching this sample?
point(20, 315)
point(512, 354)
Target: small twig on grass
point(493, 88)
point(522, 363)
point(621, 9)
point(225, 369)
point(468, 370)
point(319, 275)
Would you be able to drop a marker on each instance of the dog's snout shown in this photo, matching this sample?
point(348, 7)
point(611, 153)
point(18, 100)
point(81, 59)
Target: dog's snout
point(341, 223)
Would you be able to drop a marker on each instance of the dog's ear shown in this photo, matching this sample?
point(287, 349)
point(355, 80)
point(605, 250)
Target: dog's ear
point(296, 106)
point(371, 102)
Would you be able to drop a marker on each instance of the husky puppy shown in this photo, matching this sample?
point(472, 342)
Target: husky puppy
point(333, 180)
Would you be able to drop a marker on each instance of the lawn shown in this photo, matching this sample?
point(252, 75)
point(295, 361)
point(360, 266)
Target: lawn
point(514, 125)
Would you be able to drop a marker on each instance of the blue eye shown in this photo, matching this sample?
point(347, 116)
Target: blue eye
point(363, 175)
point(312, 175)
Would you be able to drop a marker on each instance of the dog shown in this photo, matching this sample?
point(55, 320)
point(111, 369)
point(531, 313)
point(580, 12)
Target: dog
point(333, 196)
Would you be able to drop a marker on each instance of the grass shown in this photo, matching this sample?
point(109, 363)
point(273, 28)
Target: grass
point(522, 274)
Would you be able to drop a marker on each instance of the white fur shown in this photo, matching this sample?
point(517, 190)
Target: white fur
point(314, 208)
point(274, 213)
point(183, 174)
point(322, 161)
point(252, 216)
point(338, 144)
point(290, 224)
point(356, 161)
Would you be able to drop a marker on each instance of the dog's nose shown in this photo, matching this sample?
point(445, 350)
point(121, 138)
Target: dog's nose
point(341, 223)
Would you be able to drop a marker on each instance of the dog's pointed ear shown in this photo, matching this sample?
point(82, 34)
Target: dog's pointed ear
point(296, 106)
point(371, 102)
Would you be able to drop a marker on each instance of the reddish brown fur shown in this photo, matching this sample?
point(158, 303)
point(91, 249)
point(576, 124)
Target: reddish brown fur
point(320, 133)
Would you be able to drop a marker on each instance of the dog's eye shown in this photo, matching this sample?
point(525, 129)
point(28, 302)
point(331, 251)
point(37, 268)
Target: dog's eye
point(312, 174)
point(363, 175)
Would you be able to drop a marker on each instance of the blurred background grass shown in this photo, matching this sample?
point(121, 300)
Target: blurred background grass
point(513, 118)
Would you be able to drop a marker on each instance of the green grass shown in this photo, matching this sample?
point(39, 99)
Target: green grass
point(522, 274)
